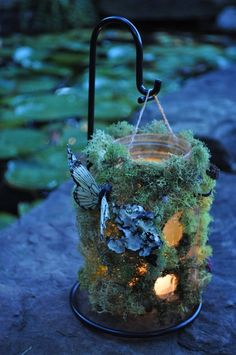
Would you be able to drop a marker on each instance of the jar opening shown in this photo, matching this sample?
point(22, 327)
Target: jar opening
point(155, 148)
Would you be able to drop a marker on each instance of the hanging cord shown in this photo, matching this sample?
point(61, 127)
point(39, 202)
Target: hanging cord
point(164, 116)
point(187, 155)
point(166, 122)
point(139, 120)
point(160, 108)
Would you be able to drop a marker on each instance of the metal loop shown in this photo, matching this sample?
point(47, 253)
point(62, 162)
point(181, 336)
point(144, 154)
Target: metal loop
point(139, 66)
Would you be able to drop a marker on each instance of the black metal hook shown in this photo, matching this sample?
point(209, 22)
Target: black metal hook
point(139, 66)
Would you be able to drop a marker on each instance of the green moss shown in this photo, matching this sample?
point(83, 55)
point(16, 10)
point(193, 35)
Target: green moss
point(171, 257)
point(114, 281)
point(155, 127)
point(97, 147)
point(120, 129)
point(115, 154)
point(207, 184)
point(104, 295)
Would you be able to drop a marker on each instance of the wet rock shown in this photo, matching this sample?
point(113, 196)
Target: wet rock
point(227, 19)
point(214, 331)
point(39, 262)
point(207, 106)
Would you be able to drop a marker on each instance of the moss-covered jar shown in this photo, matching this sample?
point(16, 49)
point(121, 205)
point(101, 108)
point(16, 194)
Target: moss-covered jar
point(149, 269)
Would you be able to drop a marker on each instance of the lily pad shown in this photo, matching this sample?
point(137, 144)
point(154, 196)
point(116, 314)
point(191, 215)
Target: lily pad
point(6, 87)
point(19, 142)
point(28, 56)
point(42, 108)
point(113, 111)
point(52, 157)
point(6, 219)
point(32, 176)
point(69, 59)
point(74, 137)
point(6, 53)
point(36, 60)
point(22, 86)
point(13, 72)
point(24, 207)
point(51, 69)
point(123, 54)
point(71, 132)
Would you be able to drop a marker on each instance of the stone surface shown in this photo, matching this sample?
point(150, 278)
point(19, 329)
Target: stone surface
point(207, 106)
point(226, 20)
point(39, 262)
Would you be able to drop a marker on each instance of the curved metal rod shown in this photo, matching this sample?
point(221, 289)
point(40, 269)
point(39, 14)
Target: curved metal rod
point(139, 66)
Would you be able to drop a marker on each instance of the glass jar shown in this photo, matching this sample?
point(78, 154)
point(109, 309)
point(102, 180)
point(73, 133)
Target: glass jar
point(127, 286)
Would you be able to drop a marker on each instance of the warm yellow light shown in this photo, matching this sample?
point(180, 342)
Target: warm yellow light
point(142, 269)
point(173, 230)
point(133, 282)
point(165, 286)
point(151, 159)
point(101, 270)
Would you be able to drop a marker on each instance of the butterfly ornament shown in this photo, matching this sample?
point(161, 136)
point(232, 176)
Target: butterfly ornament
point(87, 193)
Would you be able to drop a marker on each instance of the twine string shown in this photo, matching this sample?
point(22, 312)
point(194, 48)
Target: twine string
point(166, 122)
point(160, 108)
point(139, 120)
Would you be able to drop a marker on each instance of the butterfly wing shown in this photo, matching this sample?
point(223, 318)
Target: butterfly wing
point(104, 215)
point(84, 198)
point(86, 192)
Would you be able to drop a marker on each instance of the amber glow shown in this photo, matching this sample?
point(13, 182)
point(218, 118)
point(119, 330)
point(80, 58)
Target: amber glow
point(101, 270)
point(155, 156)
point(142, 269)
point(165, 286)
point(111, 230)
point(197, 252)
point(133, 282)
point(151, 159)
point(173, 230)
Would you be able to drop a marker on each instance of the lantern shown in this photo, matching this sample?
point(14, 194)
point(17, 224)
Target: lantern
point(143, 216)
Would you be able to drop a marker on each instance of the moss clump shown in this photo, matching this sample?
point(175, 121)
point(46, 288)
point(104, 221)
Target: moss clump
point(120, 129)
point(155, 127)
point(117, 283)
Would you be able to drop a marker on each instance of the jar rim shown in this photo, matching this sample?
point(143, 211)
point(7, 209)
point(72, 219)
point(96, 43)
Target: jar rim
point(155, 147)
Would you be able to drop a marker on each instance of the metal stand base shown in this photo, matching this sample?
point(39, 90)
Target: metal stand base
point(120, 327)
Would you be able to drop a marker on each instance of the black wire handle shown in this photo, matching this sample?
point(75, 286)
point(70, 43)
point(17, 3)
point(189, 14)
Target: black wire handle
point(139, 66)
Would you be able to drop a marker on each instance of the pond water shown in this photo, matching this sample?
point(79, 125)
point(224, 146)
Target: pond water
point(43, 97)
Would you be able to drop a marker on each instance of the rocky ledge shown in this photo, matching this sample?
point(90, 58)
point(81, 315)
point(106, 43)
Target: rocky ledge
point(39, 263)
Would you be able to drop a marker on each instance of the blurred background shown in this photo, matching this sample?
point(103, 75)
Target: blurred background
point(44, 48)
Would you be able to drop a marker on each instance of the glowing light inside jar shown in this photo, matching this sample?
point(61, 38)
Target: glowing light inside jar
point(173, 230)
point(141, 270)
point(153, 147)
point(150, 159)
point(165, 286)
point(157, 157)
point(101, 270)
